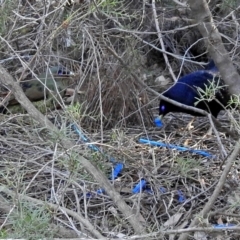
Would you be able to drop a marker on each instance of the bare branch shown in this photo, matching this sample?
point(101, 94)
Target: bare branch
point(7, 79)
point(209, 31)
point(218, 188)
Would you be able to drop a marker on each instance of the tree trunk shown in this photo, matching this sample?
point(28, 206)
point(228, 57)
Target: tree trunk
point(212, 38)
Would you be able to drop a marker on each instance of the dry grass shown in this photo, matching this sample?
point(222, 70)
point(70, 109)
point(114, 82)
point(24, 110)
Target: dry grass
point(45, 192)
point(34, 166)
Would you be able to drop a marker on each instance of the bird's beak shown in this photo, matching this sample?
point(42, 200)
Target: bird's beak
point(158, 121)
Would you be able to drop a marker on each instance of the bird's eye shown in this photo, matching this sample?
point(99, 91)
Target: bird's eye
point(162, 108)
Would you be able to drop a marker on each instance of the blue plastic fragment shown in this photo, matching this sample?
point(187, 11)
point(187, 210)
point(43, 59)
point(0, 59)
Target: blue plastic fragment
point(158, 122)
point(181, 197)
point(93, 194)
point(89, 195)
point(224, 225)
point(140, 186)
point(171, 146)
point(162, 190)
point(118, 165)
point(116, 170)
point(100, 191)
point(85, 139)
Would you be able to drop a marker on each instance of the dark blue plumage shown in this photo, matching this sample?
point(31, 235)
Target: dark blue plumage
point(211, 67)
point(185, 91)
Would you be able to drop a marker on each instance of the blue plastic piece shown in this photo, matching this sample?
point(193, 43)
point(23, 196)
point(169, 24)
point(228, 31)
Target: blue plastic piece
point(181, 197)
point(116, 171)
point(118, 166)
point(179, 148)
point(93, 194)
point(158, 122)
point(140, 186)
point(89, 195)
point(85, 139)
point(100, 191)
point(224, 225)
point(162, 190)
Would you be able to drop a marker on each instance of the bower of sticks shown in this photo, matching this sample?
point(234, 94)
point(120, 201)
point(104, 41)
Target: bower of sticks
point(114, 50)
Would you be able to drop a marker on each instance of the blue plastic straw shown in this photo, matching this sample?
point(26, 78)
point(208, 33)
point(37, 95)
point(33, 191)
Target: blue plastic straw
point(85, 139)
point(118, 167)
point(222, 226)
point(116, 170)
point(140, 186)
point(179, 148)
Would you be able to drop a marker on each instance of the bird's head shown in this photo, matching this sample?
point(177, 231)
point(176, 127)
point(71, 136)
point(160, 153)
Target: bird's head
point(163, 109)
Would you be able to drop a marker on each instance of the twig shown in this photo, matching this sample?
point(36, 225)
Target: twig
point(180, 3)
point(160, 38)
point(202, 14)
point(73, 214)
point(7, 79)
point(26, 57)
point(221, 147)
point(218, 188)
point(197, 110)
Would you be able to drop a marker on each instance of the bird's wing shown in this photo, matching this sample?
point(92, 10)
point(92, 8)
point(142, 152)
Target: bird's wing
point(189, 85)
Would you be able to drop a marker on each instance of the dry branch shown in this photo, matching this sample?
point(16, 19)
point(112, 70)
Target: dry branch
point(201, 13)
point(205, 211)
point(7, 79)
